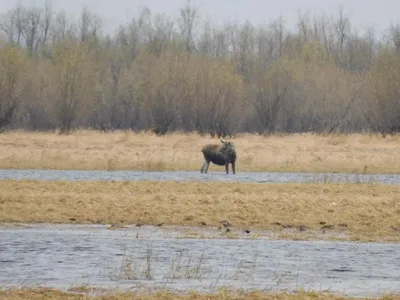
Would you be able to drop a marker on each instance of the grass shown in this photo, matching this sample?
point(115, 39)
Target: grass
point(182, 266)
point(364, 212)
point(39, 294)
point(93, 150)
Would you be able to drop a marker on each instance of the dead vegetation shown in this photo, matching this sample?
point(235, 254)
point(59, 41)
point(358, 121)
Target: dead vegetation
point(363, 212)
point(36, 294)
point(124, 150)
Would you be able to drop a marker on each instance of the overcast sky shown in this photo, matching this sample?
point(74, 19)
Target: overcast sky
point(363, 13)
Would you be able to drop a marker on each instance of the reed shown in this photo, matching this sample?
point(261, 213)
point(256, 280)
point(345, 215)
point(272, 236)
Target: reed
point(39, 294)
point(364, 212)
point(122, 150)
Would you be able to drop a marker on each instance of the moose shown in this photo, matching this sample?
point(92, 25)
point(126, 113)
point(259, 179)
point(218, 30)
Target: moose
point(221, 155)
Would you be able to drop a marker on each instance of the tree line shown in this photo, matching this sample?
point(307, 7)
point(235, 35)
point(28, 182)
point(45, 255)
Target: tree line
point(187, 74)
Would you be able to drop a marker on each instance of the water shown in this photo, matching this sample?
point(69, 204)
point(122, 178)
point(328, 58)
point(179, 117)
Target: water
point(64, 256)
point(257, 177)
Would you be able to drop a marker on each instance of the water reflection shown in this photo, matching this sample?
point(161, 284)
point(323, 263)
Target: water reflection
point(62, 256)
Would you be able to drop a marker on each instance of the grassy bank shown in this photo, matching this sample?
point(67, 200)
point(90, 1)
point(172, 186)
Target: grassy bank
point(94, 150)
point(58, 295)
point(364, 212)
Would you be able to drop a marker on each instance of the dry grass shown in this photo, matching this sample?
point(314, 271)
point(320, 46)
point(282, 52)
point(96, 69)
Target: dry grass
point(355, 153)
point(365, 212)
point(39, 294)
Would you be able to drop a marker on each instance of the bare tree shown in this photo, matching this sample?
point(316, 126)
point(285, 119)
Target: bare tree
point(270, 95)
point(72, 79)
point(13, 24)
point(304, 26)
point(359, 52)
point(206, 46)
point(62, 28)
point(89, 26)
point(166, 74)
point(222, 46)
point(160, 33)
point(381, 108)
point(188, 21)
point(31, 32)
point(395, 36)
point(342, 30)
point(28, 27)
point(13, 71)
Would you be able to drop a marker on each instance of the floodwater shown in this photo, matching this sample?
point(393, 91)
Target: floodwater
point(66, 256)
point(256, 177)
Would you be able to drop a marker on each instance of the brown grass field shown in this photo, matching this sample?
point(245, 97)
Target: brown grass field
point(41, 294)
point(354, 153)
point(365, 212)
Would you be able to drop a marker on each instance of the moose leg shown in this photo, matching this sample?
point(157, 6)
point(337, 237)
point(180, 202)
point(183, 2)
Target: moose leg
point(207, 165)
point(204, 168)
point(233, 168)
point(227, 168)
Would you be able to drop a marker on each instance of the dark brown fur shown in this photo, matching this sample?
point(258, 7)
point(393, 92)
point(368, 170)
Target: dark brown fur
point(221, 155)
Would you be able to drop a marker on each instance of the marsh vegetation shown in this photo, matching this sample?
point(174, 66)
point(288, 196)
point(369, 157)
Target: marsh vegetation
point(124, 150)
point(366, 212)
point(86, 294)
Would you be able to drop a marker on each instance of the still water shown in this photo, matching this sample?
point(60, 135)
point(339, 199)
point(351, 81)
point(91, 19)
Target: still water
point(257, 177)
point(64, 256)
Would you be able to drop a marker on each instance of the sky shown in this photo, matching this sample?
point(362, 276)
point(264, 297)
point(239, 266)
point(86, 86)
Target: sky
point(363, 13)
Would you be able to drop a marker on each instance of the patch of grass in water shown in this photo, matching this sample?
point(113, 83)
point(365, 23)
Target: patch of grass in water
point(363, 212)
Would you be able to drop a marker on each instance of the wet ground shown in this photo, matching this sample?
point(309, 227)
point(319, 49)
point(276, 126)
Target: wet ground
point(64, 256)
point(257, 177)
